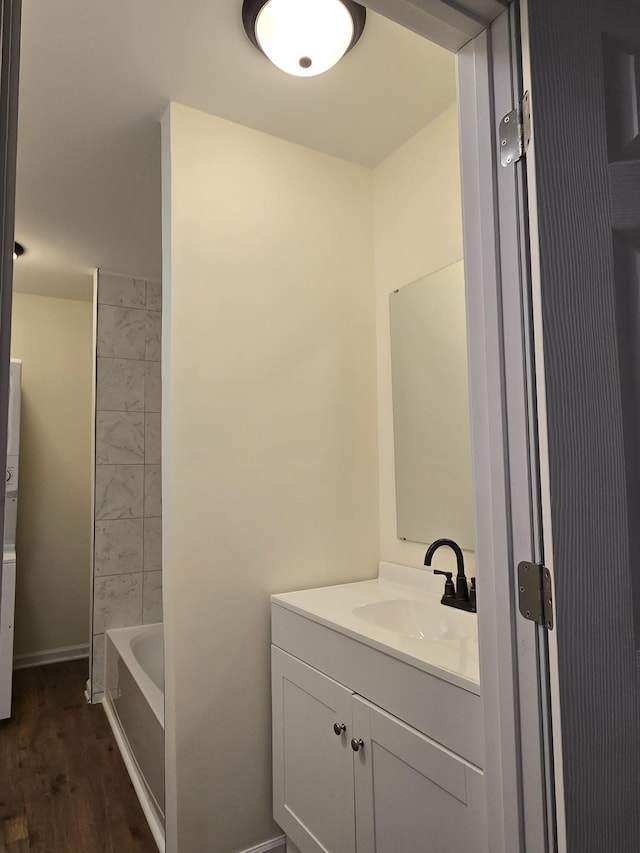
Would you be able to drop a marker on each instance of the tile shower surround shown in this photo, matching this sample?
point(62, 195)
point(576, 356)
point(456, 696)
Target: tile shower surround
point(127, 567)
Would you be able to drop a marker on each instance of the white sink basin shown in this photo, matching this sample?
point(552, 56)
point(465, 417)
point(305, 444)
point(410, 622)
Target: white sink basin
point(400, 614)
point(418, 620)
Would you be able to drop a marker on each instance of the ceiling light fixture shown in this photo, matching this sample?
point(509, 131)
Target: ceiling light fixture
point(303, 37)
point(18, 250)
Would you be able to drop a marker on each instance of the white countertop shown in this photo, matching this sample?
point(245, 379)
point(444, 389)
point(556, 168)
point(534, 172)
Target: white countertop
point(453, 659)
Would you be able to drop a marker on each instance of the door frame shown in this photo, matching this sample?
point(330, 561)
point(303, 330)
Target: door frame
point(504, 392)
point(506, 384)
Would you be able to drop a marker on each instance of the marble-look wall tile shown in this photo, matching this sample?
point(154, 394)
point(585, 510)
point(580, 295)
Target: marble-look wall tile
point(152, 438)
point(153, 387)
point(154, 296)
point(151, 597)
point(119, 438)
point(128, 497)
point(119, 491)
point(121, 332)
point(152, 491)
point(117, 602)
point(97, 668)
point(120, 385)
point(119, 546)
point(154, 336)
point(122, 291)
point(152, 544)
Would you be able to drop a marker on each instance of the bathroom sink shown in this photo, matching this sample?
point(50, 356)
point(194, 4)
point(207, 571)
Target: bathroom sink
point(415, 619)
point(398, 613)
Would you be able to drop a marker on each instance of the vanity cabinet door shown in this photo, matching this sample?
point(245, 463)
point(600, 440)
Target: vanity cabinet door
point(312, 765)
point(424, 800)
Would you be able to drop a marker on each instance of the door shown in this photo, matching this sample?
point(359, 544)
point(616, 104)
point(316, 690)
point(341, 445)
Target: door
point(312, 758)
point(424, 797)
point(584, 167)
point(9, 67)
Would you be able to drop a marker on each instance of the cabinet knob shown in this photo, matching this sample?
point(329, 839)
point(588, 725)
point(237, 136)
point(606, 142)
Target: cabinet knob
point(357, 744)
point(339, 728)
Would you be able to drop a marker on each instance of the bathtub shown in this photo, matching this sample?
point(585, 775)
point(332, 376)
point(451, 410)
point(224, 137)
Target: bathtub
point(134, 705)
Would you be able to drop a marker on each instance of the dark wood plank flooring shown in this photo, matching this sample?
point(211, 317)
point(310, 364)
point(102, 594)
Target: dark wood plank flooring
point(63, 785)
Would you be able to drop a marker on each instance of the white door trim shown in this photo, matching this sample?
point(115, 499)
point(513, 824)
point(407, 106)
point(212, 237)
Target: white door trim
point(449, 24)
point(488, 444)
point(274, 845)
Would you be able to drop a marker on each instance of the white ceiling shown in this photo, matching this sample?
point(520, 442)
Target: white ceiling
point(97, 76)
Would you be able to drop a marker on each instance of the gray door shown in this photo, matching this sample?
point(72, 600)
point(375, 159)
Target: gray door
point(10, 12)
point(585, 89)
point(9, 66)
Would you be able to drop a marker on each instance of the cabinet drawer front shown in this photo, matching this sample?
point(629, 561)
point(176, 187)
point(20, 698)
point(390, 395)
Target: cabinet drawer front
point(312, 766)
point(424, 798)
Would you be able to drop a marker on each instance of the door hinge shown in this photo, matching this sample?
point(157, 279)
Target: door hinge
point(515, 133)
point(535, 593)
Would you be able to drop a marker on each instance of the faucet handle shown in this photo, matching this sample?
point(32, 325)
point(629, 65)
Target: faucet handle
point(449, 588)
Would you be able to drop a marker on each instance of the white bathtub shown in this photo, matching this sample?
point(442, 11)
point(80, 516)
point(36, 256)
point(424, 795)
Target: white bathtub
point(134, 704)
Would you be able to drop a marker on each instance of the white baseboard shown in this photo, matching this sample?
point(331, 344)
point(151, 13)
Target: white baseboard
point(274, 845)
point(51, 656)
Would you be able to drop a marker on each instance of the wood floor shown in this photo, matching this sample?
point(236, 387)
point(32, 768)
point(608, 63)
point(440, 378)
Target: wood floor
point(63, 785)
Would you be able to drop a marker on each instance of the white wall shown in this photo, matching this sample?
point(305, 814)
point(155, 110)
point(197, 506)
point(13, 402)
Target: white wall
point(418, 230)
point(53, 337)
point(270, 440)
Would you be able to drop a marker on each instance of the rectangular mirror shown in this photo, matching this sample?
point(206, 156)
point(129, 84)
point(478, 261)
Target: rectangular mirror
point(434, 495)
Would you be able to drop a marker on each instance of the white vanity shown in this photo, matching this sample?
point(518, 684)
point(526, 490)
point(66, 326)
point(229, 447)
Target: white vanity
point(377, 721)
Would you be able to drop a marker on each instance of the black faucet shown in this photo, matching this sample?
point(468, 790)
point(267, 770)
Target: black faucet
point(458, 596)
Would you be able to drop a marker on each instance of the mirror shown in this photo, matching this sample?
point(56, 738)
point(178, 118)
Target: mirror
point(430, 386)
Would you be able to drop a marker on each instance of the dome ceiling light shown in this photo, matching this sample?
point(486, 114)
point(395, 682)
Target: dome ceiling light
point(303, 37)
